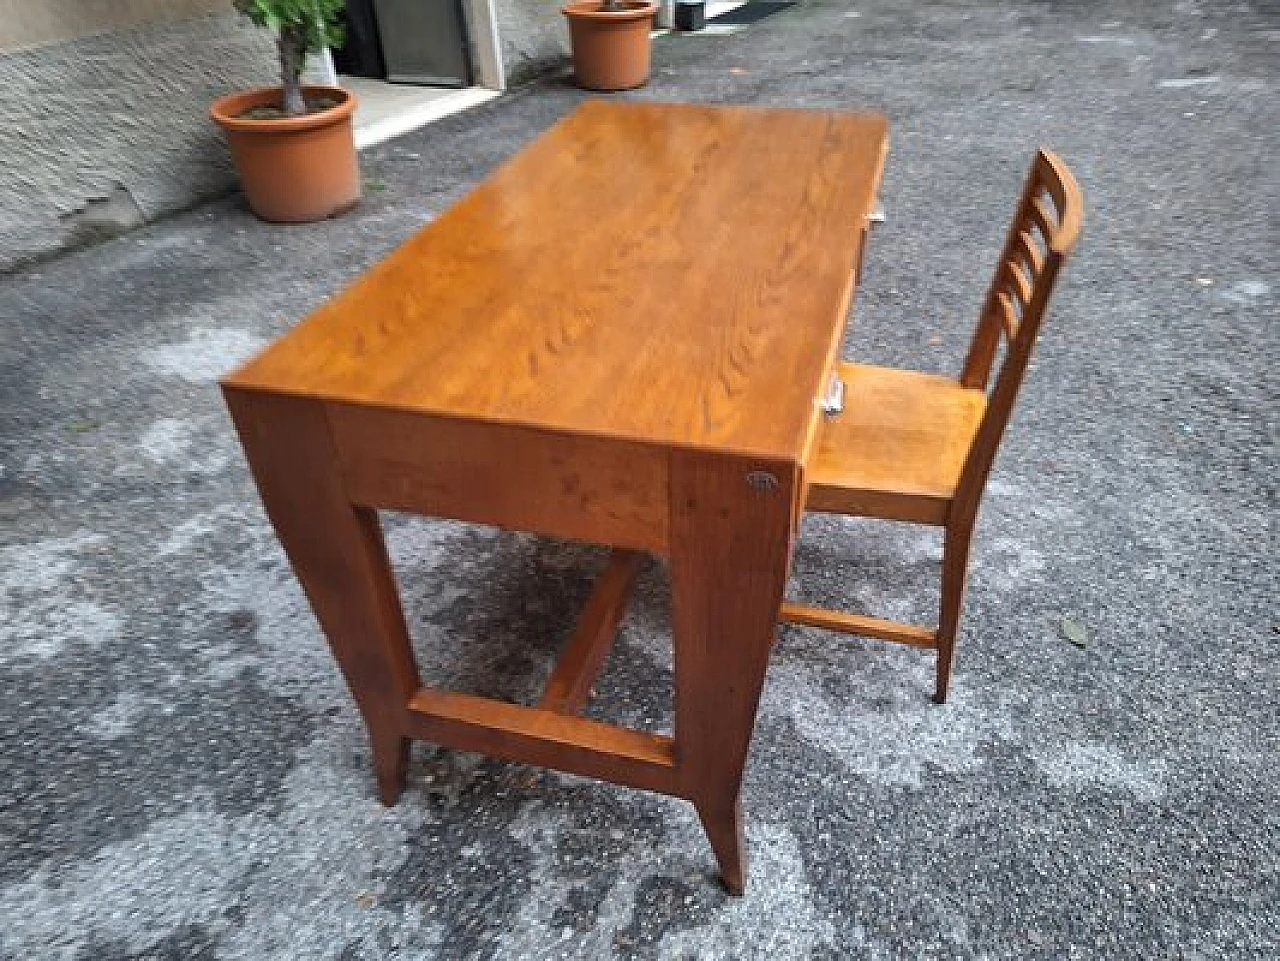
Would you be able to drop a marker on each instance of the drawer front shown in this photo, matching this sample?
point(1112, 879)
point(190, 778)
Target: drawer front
point(583, 488)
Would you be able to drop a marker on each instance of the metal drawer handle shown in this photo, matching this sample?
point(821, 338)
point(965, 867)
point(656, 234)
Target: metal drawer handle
point(833, 402)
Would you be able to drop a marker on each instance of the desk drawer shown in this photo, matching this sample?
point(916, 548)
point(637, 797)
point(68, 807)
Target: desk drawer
point(582, 488)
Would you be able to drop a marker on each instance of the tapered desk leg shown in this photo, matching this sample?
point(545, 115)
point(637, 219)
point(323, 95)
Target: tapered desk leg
point(338, 554)
point(731, 537)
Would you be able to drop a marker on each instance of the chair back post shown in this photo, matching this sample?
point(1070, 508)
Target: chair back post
point(1048, 175)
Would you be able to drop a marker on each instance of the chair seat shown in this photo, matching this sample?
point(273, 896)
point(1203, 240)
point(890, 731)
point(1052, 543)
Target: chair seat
point(897, 449)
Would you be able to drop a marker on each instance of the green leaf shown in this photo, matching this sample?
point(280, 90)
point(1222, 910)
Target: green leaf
point(318, 22)
point(1075, 632)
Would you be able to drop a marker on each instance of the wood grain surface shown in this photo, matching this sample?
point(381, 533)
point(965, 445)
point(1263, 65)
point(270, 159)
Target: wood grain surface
point(898, 448)
point(547, 482)
point(667, 273)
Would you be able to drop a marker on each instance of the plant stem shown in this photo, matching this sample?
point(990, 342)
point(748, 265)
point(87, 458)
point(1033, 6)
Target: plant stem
point(292, 47)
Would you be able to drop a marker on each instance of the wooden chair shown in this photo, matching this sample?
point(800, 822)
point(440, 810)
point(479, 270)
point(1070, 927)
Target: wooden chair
point(918, 447)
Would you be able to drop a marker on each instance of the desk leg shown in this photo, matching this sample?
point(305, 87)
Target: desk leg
point(731, 537)
point(338, 554)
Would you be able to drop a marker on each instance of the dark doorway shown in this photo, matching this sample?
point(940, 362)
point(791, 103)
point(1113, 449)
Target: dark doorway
point(406, 41)
point(361, 55)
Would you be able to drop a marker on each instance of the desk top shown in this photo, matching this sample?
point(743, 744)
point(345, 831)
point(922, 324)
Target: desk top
point(669, 274)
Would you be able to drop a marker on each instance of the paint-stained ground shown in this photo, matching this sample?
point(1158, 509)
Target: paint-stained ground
point(183, 775)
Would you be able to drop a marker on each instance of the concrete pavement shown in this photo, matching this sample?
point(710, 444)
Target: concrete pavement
point(183, 775)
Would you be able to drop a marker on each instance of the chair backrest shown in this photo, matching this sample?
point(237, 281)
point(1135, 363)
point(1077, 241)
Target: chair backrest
point(1043, 233)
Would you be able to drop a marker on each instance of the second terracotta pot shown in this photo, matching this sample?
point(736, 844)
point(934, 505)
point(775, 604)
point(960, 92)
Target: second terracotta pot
point(293, 169)
point(610, 47)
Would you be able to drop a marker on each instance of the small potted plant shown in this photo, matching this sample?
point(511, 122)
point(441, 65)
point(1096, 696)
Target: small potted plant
point(610, 41)
point(293, 145)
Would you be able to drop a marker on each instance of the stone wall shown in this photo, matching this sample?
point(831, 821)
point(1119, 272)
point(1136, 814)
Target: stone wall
point(106, 131)
point(25, 24)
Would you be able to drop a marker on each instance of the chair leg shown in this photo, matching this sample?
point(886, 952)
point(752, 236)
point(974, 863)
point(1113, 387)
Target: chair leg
point(955, 570)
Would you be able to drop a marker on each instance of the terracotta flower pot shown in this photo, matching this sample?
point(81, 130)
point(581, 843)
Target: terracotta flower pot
point(610, 48)
point(293, 169)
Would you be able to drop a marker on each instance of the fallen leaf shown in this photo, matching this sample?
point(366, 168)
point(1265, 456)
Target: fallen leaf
point(1075, 632)
point(84, 426)
point(364, 899)
point(935, 340)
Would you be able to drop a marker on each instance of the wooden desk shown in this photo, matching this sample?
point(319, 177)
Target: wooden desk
point(620, 337)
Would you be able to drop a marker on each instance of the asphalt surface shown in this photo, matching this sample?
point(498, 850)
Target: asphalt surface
point(183, 775)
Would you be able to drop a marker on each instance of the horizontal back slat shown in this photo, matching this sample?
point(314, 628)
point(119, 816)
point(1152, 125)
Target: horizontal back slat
point(1049, 178)
point(1029, 250)
point(1008, 314)
point(1021, 281)
point(1045, 218)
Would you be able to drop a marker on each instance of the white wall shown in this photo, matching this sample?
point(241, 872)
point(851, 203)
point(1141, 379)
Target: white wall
point(533, 37)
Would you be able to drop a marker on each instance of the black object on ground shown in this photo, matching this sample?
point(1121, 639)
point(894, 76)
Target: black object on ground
point(690, 14)
point(361, 55)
